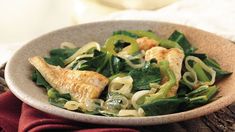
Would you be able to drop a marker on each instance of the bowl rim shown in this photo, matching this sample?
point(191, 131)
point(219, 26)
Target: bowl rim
point(124, 121)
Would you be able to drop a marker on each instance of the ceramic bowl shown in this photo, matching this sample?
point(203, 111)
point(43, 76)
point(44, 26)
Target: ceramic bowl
point(18, 70)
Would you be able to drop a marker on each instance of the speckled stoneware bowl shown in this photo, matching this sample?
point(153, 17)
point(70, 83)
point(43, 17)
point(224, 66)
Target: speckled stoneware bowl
point(18, 70)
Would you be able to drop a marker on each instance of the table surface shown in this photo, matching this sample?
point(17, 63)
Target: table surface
point(220, 121)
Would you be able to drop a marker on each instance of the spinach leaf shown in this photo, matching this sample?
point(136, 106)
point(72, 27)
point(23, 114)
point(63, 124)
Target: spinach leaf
point(96, 63)
point(63, 53)
point(183, 42)
point(199, 55)
point(119, 65)
point(183, 89)
point(163, 106)
point(119, 45)
point(105, 64)
point(39, 80)
point(57, 56)
point(220, 73)
point(143, 76)
point(55, 60)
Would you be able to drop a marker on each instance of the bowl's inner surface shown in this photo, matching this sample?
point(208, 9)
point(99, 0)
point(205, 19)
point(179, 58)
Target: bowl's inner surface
point(19, 70)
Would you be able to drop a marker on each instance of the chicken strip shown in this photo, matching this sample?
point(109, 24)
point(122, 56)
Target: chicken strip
point(175, 58)
point(81, 85)
point(146, 43)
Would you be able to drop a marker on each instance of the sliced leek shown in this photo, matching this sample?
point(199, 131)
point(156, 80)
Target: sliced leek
point(82, 50)
point(70, 65)
point(193, 75)
point(138, 98)
point(122, 85)
point(65, 45)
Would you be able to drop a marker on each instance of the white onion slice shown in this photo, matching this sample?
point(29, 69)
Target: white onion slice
point(82, 50)
point(192, 74)
point(77, 58)
point(72, 105)
point(125, 112)
point(65, 45)
point(137, 96)
point(122, 85)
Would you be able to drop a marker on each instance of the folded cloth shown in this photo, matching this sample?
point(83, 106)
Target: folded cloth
point(18, 116)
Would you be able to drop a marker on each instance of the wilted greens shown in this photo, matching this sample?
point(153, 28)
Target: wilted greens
point(148, 75)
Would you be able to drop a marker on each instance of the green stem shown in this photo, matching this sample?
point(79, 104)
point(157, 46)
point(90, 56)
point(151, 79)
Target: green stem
point(165, 88)
point(198, 91)
point(200, 73)
point(169, 44)
point(212, 91)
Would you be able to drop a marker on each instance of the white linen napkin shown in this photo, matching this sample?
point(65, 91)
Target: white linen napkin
point(216, 16)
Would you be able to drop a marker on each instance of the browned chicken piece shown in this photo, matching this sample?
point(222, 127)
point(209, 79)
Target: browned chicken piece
point(146, 43)
point(81, 85)
point(175, 58)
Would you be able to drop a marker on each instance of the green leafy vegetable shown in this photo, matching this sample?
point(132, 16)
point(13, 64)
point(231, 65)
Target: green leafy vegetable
point(106, 64)
point(183, 89)
point(199, 55)
point(163, 106)
point(97, 63)
point(117, 64)
point(198, 91)
point(57, 56)
point(55, 60)
point(57, 99)
point(179, 37)
point(220, 73)
point(142, 77)
point(119, 45)
point(39, 80)
point(63, 53)
point(201, 96)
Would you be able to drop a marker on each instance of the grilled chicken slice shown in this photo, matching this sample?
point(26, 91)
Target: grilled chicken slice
point(146, 43)
point(81, 85)
point(175, 58)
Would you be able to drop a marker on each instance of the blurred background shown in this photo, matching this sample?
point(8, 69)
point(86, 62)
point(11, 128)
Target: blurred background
point(24, 20)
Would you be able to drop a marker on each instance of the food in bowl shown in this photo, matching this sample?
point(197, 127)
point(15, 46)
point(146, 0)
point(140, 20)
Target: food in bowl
point(135, 73)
